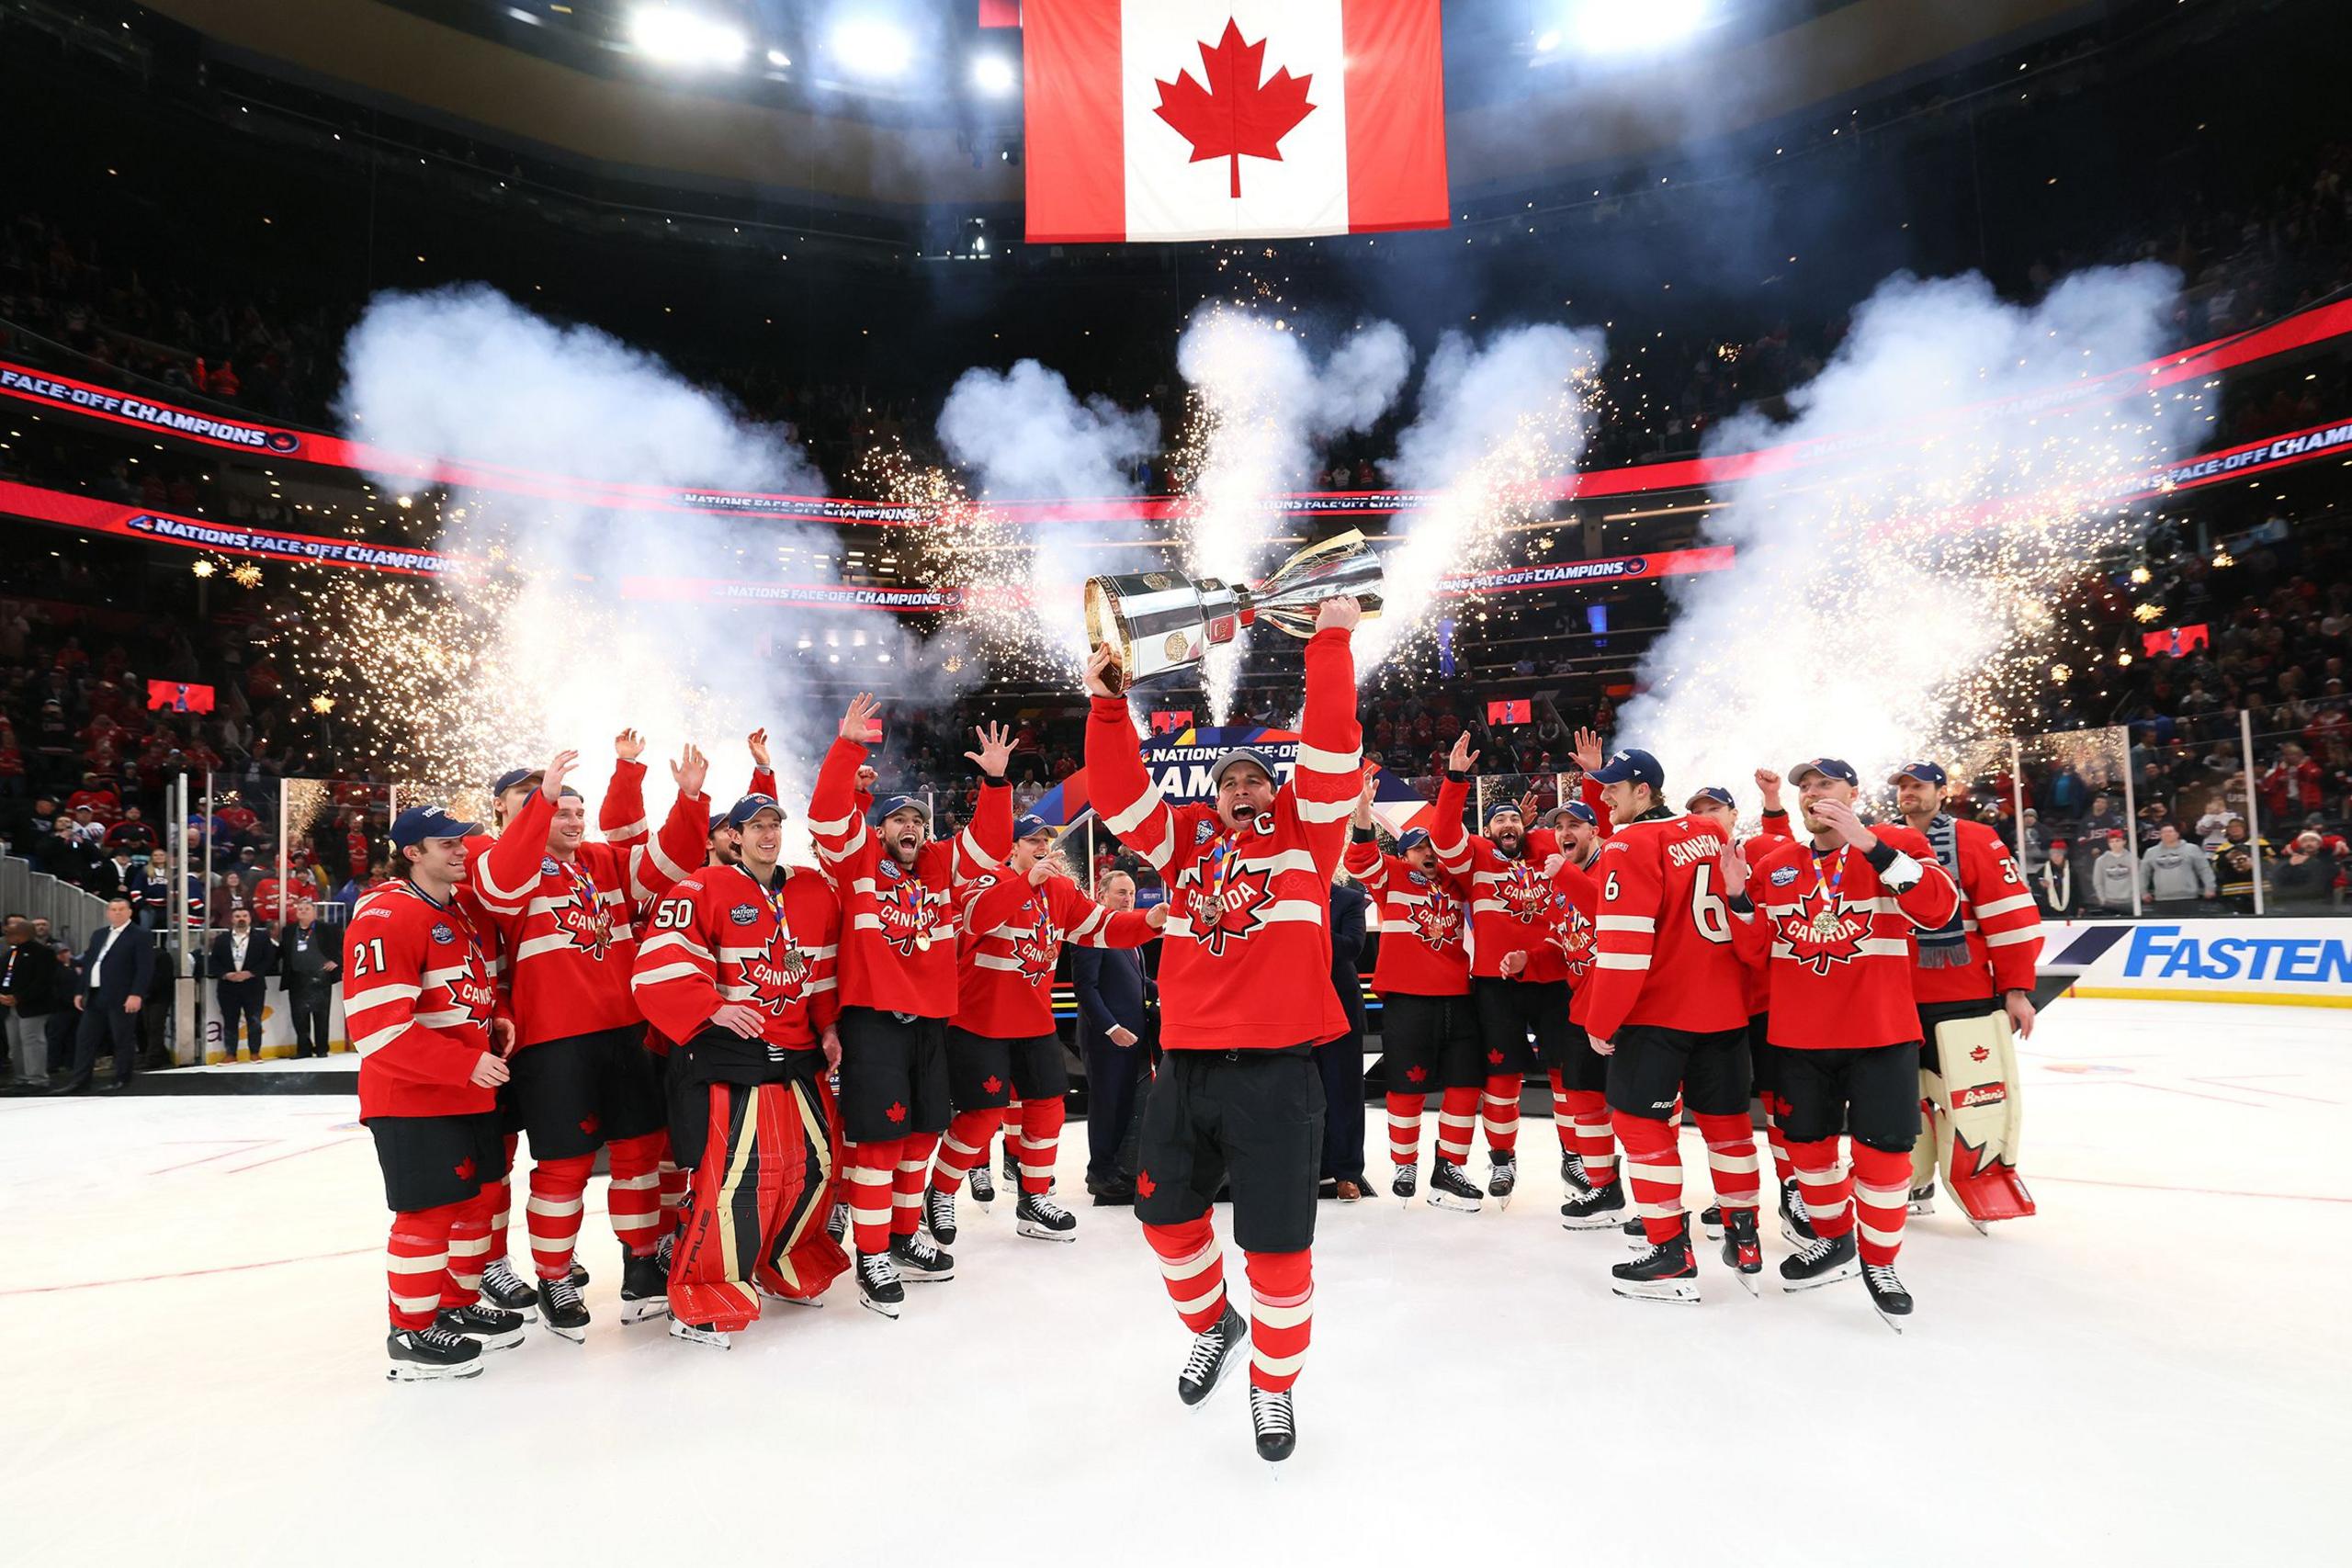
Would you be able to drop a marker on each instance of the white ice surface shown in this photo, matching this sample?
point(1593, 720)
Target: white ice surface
point(2155, 1369)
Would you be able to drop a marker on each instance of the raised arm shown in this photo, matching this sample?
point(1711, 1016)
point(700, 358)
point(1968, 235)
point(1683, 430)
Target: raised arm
point(836, 824)
point(1454, 843)
point(1130, 803)
point(660, 863)
point(1329, 777)
point(508, 871)
point(620, 816)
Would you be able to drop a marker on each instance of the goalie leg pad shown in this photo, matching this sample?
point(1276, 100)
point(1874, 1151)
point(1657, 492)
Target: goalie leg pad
point(1980, 1117)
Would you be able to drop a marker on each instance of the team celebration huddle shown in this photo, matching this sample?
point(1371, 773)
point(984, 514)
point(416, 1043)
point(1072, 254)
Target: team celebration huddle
point(792, 1071)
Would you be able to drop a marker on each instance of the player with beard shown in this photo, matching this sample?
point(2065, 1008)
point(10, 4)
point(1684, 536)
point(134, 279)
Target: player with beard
point(1974, 986)
point(1244, 1001)
point(1840, 914)
point(583, 1078)
point(1429, 1036)
point(738, 968)
point(898, 985)
point(1001, 1041)
point(1714, 803)
point(1667, 1006)
point(1596, 1199)
point(422, 1012)
point(1519, 984)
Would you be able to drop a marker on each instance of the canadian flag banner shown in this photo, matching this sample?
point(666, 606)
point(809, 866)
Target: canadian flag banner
point(1210, 119)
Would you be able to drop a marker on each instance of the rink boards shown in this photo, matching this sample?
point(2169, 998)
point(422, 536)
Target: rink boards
point(2278, 963)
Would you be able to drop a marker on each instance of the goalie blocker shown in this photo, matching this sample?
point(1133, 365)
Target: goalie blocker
point(1968, 1101)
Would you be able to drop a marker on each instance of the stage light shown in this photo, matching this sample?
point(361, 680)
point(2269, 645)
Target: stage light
point(1547, 41)
point(868, 46)
point(993, 74)
point(1610, 27)
point(778, 58)
point(671, 35)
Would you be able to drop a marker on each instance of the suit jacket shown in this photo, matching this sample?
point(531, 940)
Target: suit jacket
point(129, 968)
point(1110, 986)
point(1348, 903)
point(261, 957)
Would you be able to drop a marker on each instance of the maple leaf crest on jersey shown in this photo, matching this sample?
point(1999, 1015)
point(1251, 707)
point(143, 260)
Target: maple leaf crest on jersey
point(1577, 938)
point(583, 924)
point(1822, 939)
point(1527, 898)
point(1439, 921)
point(1035, 954)
point(901, 924)
point(1240, 914)
point(479, 998)
point(777, 979)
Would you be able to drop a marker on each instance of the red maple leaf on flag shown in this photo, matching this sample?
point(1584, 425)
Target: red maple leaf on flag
point(1236, 115)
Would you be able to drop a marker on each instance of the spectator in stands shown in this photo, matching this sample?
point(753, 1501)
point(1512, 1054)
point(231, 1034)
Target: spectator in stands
point(308, 964)
point(134, 832)
point(2233, 865)
point(32, 993)
point(2303, 881)
point(241, 960)
point(2103, 817)
point(2054, 888)
point(116, 972)
point(62, 854)
point(2174, 876)
point(2113, 874)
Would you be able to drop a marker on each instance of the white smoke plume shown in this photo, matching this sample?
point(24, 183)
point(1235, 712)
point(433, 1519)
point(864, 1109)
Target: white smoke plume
point(1493, 423)
point(538, 648)
point(1023, 433)
point(1890, 595)
point(1267, 406)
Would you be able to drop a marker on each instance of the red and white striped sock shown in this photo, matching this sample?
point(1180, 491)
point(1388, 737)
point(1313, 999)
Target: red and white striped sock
point(1596, 1142)
point(551, 1215)
point(1041, 1139)
point(1828, 1187)
point(1564, 1121)
point(871, 1169)
point(1282, 1315)
point(965, 1145)
point(675, 1184)
point(1782, 1166)
point(633, 1198)
point(416, 1263)
point(1731, 1160)
point(1012, 1111)
point(468, 1251)
point(1193, 1263)
point(500, 1195)
point(1652, 1174)
point(1405, 1128)
point(1457, 1117)
point(1882, 1200)
point(907, 1182)
point(1501, 1113)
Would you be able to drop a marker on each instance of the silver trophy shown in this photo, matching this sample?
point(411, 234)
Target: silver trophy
point(1160, 621)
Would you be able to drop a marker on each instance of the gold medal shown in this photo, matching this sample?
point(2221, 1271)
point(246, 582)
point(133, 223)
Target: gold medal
point(922, 941)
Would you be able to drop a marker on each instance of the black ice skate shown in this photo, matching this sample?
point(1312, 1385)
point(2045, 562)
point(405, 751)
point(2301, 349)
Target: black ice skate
point(1596, 1208)
point(422, 1355)
point(1502, 1176)
point(1796, 1220)
point(1824, 1260)
point(979, 1184)
point(645, 1287)
point(877, 1284)
point(1572, 1176)
point(917, 1259)
point(1405, 1183)
point(1277, 1424)
point(1923, 1198)
point(837, 1223)
point(507, 1290)
point(485, 1326)
point(1011, 1167)
point(1887, 1294)
point(1451, 1188)
point(939, 1215)
point(700, 1334)
point(1711, 1220)
point(1743, 1253)
point(664, 1250)
point(1213, 1350)
point(1667, 1272)
point(579, 1273)
point(560, 1308)
point(1040, 1217)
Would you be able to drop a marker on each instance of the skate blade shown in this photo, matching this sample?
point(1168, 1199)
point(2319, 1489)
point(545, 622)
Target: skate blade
point(1502, 1199)
point(1609, 1221)
point(1887, 1318)
point(1747, 1282)
point(1790, 1233)
point(576, 1336)
point(928, 1276)
point(884, 1309)
point(715, 1340)
point(1676, 1293)
point(490, 1342)
point(768, 1295)
point(1039, 1233)
point(1459, 1205)
point(407, 1373)
point(1713, 1233)
point(639, 1311)
point(1843, 1271)
point(1979, 1225)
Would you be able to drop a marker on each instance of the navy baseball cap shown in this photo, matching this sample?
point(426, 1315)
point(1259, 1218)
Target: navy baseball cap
point(717, 822)
point(1029, 826)
point(1249, 754)
point(1577, 810)
point(1715, 793)
point(1639, 767)
point(1925, 772)
point(513, 778)
point(419, 823)
point(1498, 808)
point(884, 810)
point(1829, 767)
point(740, 815)
point(1414, 838)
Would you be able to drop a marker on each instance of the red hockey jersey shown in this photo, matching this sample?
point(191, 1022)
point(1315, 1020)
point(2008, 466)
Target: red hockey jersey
point(2001, 926)
point(1576, 935)
point(720, 937)
point(1013, 936)
point(418, 996)
point(899, 925)
point(1513, 908)
point(1664, 931)
point(565, 924)
point(1837, 937)
point(1421, 919)
point(1247, 956)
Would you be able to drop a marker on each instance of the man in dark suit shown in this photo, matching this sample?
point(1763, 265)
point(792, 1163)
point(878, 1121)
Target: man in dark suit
point(309, 959)
point(1341, 1060)
point(243, 958)
point(117, 970)
point(1111, 989)
point(35, 986)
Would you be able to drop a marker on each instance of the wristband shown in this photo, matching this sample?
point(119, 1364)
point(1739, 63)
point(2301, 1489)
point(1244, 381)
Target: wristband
point(1455, 775)
point(1360, 835)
